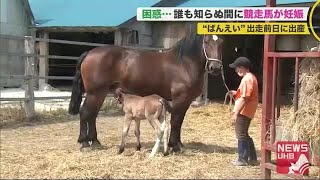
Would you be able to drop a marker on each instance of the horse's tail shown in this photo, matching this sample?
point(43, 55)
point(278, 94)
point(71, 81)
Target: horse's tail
point(166, 105)
point(164, 110)
point(77, 88)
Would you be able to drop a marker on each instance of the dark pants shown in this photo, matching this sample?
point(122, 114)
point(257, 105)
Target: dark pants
point(246, 149)
point(242, 126)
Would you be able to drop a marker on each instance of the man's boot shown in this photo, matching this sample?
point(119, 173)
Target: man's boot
point(252, 158)
point(243, 150)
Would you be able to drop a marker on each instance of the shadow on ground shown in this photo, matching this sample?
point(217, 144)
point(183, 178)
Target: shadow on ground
point(209, 148)
point(194, 147)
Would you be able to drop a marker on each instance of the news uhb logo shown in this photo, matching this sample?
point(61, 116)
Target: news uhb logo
point(292, 157)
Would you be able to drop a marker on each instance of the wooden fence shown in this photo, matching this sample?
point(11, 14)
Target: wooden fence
point(29, 75)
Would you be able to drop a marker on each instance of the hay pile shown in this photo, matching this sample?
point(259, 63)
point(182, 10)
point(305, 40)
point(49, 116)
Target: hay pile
point(11, 114)
point(305, 123)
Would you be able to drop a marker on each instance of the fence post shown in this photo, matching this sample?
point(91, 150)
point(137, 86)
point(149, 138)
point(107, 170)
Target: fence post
point(0, 96)
point(43, 61)
point(29, 69)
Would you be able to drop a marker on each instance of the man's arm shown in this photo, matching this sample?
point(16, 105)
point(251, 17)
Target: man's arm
point(240, 105)
point(237, 109)
point(246, 92)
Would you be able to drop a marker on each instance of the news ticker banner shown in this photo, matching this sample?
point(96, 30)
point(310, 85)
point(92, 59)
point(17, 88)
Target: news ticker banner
point(222, 14)
point(242, 20)
point(255, 28)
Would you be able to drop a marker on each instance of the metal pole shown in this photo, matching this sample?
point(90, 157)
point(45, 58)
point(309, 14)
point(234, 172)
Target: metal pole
point(273, 104)
point(278, 88)
point(266, 109)
point(269, 46)
point(296, 85)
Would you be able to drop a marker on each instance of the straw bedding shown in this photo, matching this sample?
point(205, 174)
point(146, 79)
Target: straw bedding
point(48, 148)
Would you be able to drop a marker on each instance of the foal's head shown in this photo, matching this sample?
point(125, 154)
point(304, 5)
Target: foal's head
point(118, 94)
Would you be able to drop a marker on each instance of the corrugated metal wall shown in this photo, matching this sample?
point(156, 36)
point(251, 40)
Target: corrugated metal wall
point(11, 65)
point(14, 21)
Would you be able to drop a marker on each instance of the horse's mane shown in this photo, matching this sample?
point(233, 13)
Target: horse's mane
point(190, 45)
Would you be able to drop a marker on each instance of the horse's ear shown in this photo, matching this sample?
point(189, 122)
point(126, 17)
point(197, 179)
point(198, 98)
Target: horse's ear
point(118, 93)
point(122, 91)
point(190, 28)
point(206, 38)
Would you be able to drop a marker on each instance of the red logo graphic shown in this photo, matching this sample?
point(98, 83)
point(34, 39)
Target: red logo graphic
point(292, 157)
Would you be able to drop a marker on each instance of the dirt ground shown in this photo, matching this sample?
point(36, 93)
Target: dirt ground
point(49, 149)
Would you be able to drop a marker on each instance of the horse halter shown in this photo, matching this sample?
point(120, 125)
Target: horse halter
point(208, 58)
point(222, 73)
point(118, 99)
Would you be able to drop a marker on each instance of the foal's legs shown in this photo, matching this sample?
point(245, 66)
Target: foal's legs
point(126, 126)
point(166, 136)
point(164, 128)
point(88, 115)
point(137, 133)
point(156, 126)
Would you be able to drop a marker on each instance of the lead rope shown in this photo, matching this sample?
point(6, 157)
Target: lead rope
point(229, 93)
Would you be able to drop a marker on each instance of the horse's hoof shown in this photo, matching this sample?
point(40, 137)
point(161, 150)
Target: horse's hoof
point(120, 151)
point(176, 148)
point(165, 153)
point(138, 148)
point(180, 144)
point(96, 145)
point(85, 147)
point(151, 156)
point(170, 144)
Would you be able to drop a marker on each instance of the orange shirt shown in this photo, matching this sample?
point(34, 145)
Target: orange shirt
point(248, 89)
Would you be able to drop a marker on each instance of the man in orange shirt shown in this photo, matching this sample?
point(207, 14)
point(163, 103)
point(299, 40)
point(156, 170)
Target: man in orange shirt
point(246, 104)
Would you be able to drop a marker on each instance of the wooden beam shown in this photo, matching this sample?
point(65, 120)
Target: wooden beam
point(35, 65)
point(29, 70)
point(75, 29)
point(43, 61)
